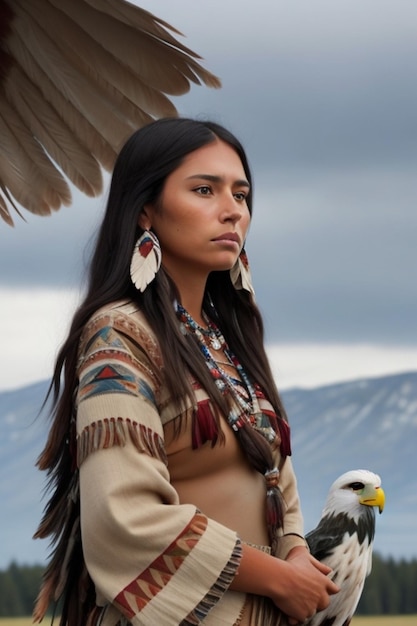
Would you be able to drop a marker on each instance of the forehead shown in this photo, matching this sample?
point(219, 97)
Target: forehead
point(217, 158)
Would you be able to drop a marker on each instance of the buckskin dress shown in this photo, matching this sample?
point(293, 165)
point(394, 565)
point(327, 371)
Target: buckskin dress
point(162, 524)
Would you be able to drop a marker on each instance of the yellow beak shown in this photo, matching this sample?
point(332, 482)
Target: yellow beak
point(373, 497)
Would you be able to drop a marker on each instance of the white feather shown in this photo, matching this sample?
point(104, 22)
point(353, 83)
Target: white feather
point(351, 579)
point(144, 268)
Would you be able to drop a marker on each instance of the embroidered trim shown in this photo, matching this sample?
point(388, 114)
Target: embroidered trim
point(125, 323)
point(136, 595)
point(217, 590)
point(110, 376)
point(117, 354)
point(114, 431)
point(106, 334)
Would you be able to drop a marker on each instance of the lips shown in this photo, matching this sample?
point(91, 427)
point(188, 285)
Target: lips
point(228, 237)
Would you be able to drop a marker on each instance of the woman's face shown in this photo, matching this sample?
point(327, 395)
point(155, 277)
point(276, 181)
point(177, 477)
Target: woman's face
point(202, 217)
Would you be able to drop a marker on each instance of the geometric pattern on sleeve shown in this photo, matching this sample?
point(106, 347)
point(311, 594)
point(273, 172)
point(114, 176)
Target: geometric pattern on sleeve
point(104, 337)
point(136, 595)
point(113, 378)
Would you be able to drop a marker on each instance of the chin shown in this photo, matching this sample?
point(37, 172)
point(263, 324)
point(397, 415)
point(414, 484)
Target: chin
point(225, 267)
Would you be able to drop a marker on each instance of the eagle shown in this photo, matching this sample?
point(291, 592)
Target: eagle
point(77, 77)
point(343, 539)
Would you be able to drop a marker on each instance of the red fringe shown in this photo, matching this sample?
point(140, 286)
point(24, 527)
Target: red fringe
point(205, 427)
point(285, 434)
point(279, 425)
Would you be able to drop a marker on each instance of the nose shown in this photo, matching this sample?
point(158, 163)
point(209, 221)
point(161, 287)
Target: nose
point(231, 209)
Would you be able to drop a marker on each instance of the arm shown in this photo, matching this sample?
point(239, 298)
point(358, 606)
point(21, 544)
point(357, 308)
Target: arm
point(298, 586)
point(292, 534)
point(295, 581)
point(142, 548)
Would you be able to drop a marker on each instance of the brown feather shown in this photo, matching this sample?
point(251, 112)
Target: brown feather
point(44, 123)
point(24, 168)
point(4, 211)
point(162, 66)
point(74, 86)
point(81, 75)
point(88, 55)
point(42, 601)
point(85, 132)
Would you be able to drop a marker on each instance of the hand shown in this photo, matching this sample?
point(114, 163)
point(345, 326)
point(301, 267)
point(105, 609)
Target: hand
point(306, 588)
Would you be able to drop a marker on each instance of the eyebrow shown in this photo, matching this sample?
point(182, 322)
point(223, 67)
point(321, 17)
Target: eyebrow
point(219, 179)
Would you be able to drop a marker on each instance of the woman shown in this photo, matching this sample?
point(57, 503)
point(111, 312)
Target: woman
point(169, 451)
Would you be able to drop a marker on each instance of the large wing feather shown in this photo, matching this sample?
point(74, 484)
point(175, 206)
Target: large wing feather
point(59, 142)
point(30, 177)
point(77, 77)
point(70, 116)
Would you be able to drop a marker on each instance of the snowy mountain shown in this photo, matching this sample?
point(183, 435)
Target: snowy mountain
point(368, 423)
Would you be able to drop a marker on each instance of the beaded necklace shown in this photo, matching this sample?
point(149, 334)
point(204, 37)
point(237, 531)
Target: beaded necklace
point(211, 334)
point(245, 408)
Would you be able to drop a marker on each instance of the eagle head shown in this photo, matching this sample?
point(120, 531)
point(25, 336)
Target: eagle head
point(352, 491)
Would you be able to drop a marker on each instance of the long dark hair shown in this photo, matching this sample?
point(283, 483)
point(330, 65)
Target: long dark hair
point(144, 163)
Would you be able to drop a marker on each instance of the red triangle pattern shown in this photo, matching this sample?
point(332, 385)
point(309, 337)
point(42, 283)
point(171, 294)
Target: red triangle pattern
point(136, 595)
point(107, 372)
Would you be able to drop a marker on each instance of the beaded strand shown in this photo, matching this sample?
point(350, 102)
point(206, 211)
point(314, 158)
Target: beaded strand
point(247, 409)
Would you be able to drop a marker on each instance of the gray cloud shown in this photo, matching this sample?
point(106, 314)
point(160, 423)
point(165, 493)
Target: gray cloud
point(337, 258)
point(323, 96)
point(49, 251)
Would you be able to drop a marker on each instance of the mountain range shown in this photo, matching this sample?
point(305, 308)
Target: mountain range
point(368, 423)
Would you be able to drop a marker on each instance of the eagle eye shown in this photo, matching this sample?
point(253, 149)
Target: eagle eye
point(356, 486)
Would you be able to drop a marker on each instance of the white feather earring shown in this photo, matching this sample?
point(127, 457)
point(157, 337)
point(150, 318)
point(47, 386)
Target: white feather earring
point(240, 273)
point(146, 260)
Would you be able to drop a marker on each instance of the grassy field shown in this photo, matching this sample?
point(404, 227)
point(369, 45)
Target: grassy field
point(387, 620)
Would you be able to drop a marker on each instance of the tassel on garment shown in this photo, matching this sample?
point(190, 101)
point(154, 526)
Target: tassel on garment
point(113, 431)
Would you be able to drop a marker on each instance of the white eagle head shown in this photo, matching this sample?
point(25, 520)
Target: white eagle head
point(354, 490)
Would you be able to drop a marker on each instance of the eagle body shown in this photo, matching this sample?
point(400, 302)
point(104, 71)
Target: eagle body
point(343, 540)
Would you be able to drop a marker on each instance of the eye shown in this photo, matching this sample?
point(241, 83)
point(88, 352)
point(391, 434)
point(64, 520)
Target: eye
point(356, 486)
point(240, 196)
point(203, 190)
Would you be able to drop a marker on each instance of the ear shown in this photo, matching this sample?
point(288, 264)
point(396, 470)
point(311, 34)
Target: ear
point(144, 220)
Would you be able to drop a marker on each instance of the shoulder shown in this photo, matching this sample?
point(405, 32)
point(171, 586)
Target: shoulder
point(118, 324)
point(120, 314)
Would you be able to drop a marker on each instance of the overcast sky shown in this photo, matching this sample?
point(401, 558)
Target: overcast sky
point(323, 94)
